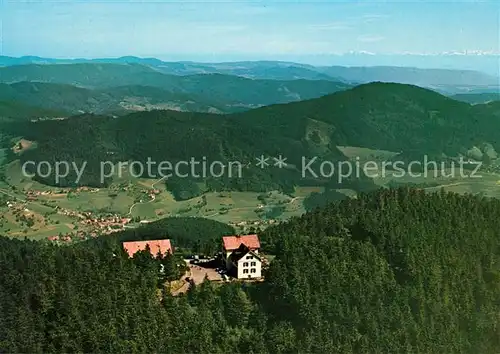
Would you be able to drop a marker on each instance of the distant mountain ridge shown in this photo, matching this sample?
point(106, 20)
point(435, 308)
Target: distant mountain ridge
point(478, 98)
point(445, 80)
point(202, 92)
point(439, 79)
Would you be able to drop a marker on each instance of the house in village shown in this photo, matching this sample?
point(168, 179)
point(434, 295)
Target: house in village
point(155, 247)
point(241, 255)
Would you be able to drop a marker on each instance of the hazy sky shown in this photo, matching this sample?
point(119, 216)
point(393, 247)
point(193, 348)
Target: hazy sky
point(201, 29)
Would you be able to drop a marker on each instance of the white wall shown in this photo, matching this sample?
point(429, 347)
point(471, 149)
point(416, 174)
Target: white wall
point(245, 267)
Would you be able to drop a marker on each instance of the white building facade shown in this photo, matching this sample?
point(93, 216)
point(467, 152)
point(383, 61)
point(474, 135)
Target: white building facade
point(249, 266)
point(241, 255)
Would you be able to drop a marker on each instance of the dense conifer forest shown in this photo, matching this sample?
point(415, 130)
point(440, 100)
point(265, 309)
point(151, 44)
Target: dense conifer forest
point(391, 271)
point(188, 233)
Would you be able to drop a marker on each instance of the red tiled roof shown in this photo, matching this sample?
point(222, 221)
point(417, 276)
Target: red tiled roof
point(234, 242)
point(155, 246)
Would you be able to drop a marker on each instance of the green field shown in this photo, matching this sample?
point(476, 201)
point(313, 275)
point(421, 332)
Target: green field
point(366, 154)
point(126, 197)
point(44, 225)
point(488, 184)
point(94, 201)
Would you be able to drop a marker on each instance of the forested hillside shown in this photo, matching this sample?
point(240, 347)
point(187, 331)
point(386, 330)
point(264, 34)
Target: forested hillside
point(114, 100)
point(422, 274)
point(394, 117)
point(387, 116)
point(196, 234)
point(175, 136)
point(14, 110)
point(393, 271)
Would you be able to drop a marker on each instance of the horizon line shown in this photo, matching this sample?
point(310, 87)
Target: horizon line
point(460, 53)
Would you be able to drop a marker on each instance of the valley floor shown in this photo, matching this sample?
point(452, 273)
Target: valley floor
point(33, 210)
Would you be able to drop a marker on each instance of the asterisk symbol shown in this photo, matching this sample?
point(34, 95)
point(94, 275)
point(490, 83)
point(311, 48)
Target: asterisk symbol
point(280, 161)
point(262, 161)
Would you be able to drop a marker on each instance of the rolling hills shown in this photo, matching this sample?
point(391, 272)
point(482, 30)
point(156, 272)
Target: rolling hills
point(218, 92)
point(385, 116)
point(394, 117)
point(449, 81)
point(174, 137)
point(114, 100)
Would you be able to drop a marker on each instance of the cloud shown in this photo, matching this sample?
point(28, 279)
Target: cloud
point(351, 23)
point(372, 17)
point(250, 10)
point(333, 26)
point(370, 38)
point(215, 28)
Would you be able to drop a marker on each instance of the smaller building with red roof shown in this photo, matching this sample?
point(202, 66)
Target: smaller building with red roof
point(155, 247)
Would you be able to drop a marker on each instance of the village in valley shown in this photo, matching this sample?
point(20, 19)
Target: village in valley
point(82, 225)
point(28, 205)
point(30, 209)
point(71, 214)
